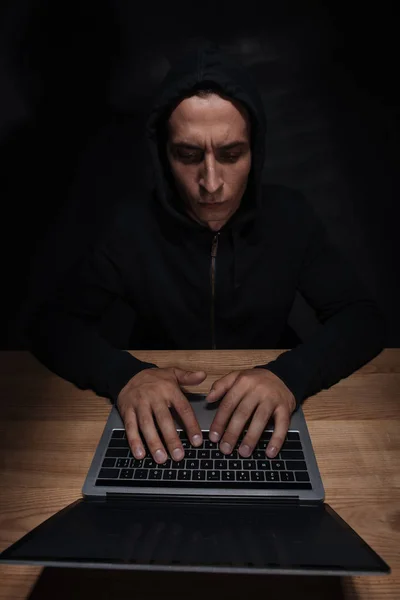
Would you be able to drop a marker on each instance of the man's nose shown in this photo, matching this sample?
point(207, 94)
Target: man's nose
point(211, 180)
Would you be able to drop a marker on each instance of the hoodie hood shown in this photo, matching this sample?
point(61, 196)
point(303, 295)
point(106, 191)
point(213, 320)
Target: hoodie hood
point(207, 64)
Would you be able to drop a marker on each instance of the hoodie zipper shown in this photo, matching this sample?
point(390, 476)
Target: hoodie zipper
point(214, 248)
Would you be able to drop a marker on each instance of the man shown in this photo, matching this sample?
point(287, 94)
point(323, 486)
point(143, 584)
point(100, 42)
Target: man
point(210, 258)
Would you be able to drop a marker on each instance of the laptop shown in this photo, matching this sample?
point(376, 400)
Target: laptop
point(208, 513)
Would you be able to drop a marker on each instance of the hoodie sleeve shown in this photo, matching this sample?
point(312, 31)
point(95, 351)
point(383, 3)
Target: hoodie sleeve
point(353, 329)
point(64, 333)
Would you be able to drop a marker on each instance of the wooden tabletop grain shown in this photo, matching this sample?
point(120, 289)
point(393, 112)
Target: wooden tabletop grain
point(49, 430)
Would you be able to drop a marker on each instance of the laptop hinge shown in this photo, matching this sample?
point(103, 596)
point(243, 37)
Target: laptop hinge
point(204, 500)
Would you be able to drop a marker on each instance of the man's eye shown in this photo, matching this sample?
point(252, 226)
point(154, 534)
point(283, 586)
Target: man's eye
point(189, 156)
point(231, 156)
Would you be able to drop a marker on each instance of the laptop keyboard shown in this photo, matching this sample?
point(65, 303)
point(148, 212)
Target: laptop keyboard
point(207, 466)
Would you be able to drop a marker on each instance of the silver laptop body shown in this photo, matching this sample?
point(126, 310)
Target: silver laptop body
point(205, 414)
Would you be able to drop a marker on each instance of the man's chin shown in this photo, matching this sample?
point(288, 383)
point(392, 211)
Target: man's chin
point(213, 213)
point(216, 223)
point(211, 218)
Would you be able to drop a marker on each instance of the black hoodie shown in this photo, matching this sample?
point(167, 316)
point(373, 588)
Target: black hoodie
point(159, 260)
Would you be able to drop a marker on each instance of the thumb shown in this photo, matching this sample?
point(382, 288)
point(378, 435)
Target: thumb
point(189, 377)
point(221, 386)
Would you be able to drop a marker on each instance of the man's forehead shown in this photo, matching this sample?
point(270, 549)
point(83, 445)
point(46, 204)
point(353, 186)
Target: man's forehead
point(210, 110)
point(195, 119)
point(191, 143)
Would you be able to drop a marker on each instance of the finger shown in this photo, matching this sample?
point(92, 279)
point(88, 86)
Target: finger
point(221, 386)
point(256, 427)
point(169, 433)
point(149, 431)
point(240, 416)
point(281, 426)
point(186, 413)
point(189, 377)
point(224, 412)
point(133, 436)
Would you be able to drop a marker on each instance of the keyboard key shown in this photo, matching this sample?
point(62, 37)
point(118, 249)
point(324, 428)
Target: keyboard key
point(278, 465)
point(302, 476)
point(109, 473)
point(228, 475)
point(293, 435)
point(126, 474)
point(169, 474)
point(287, 476)
point(150, 463)
point(233, 455)
point(136, 463)
point(141, 473)
point(108, 462)
point(242, 476)
point(166, 465)
point(235, 464)
point(217, 454)
point(123, 463)
point(271, 476)
point(257, 475)
point(213, 475)
point(180, 464)
point(192, 464)
point(296, 465)
point(186, 444)
point(249, 464)
point(209, 445)
point(184, 475)
point(292, 454)
point(118, 443)
point(258, 454)
point(206, 464)
point(198, 475)
point(291, 446)
point(221, 464)
point(203, 454)
point(266, 435)
point(263, 465)
point(262, 444)
point(118, 433)
point(191, 453)
point(155, 474)
point(117, 452)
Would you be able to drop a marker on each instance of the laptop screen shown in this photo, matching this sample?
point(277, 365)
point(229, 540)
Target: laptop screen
point(202, 536)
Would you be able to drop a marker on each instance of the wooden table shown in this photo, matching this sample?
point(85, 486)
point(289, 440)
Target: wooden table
point(49, 430)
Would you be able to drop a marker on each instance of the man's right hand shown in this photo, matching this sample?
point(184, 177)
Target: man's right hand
point(146, 398)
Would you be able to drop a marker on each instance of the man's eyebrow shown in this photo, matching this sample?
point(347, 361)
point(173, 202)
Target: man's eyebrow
point(223, 147)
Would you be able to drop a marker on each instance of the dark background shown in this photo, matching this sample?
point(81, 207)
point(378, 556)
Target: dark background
point(76, 79)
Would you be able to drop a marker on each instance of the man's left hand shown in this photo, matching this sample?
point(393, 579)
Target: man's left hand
point(257, 391)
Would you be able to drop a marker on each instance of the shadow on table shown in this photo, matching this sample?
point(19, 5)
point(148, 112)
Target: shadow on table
point(80, 584)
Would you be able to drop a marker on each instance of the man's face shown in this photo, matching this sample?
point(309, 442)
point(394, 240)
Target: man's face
point(209, 154)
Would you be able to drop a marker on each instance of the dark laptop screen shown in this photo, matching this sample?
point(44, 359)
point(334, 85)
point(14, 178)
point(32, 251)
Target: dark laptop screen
point(198, 536)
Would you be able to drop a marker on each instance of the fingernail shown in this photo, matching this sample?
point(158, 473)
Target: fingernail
point(160, 456)
point(138, 452)
point(196, 440)
point(226, 448)
point(272, 451)
point(245, 450)
point(214, 436)
point(177, 454)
